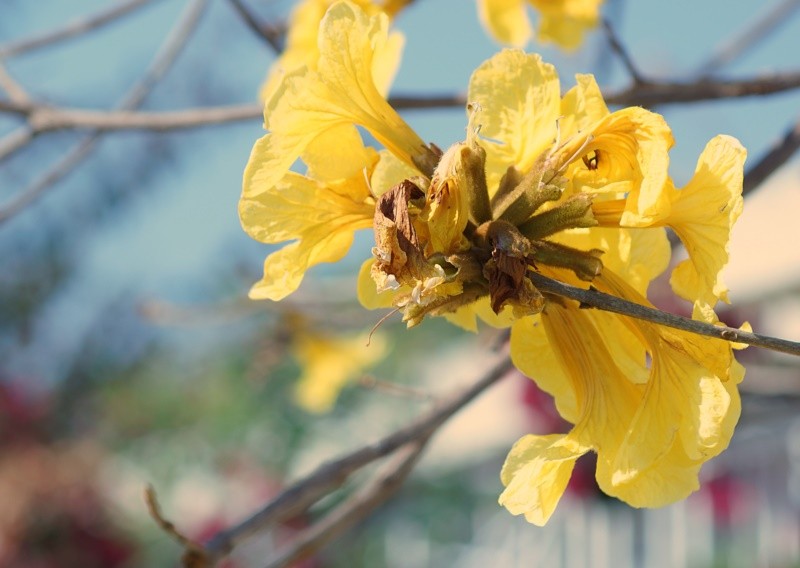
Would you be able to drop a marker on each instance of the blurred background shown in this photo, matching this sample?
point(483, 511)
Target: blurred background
point(129, 353)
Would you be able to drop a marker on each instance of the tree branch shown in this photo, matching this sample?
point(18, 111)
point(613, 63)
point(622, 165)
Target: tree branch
point(45, 118)
point(656, 93)
point(332, 475)
point(378, 490)
point(271, 34)
point(15, 140)
point(161, 63)
point(609, 303)
point(15, 91)
point(71, 29)
point(778, 155)
point(625, 57)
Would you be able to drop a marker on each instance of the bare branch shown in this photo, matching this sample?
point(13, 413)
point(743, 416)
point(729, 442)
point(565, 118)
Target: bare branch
point(395, 389)
point(151, 500)
point(609, 303)
point(46, 118)
point(271, 34)
point(617, 47)
point(15, 140)
point(71, 29)
point(737, 45)
point(14, 90)
point(161, 63)
point(355, 508)
point(332, 475)
point(778, 155)
point(663, 93)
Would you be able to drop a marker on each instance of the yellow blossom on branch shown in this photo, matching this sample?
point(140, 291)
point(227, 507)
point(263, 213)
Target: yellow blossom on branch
point(301, 48)
point(563, 22)
point(543, 184)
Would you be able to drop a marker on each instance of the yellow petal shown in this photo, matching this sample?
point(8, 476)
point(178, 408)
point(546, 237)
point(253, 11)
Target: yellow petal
point(533, 355)
point(671, 478)
point(624, 346)
point(606, 399)
point(447, 208)
point(520, 102)
point(302, 50)
point(636, 255)
point(506, 20)
point(341, 90)
point(337, 154)
point(565, 22)
point(388, 172)
point(536, 473)
point(581, 107)
point(703, 214)
point(348, 42)
point(300, 208)
point(368, 294)
point(631, 149)
point(329, 363)
point(686, 400)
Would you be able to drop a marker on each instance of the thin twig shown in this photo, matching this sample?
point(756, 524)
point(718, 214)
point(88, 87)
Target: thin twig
point(15, 91)
point(71, 29)
point(778, 155)
point(609, 303)
point(15, 141)
point(378, 490)
point(331, 475)
point(394, 389)
point(625, 57)
point(270, 33)
point(161, 63)
point(151, 500)
point(737, 45)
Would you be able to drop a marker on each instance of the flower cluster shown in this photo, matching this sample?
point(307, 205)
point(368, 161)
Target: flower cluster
point(543, 184)
point(562, 22)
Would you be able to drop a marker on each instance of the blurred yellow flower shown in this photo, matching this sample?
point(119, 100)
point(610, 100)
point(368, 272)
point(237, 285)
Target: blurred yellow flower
point(329, 363)
point(558, 186)
point(562, 22)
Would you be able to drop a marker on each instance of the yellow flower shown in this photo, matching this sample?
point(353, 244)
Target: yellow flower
point(562, 22)
point(651, 425)
point(323, 209)
point(328, 363)
point(301, 48)
point(321, 217)
point(702, 214)
point(553, 185)
point(337, 93)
